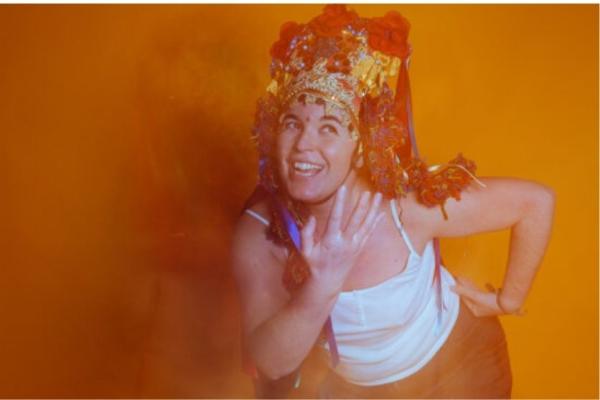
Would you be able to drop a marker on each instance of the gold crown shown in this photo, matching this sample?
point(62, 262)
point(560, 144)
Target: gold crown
point(339, 57)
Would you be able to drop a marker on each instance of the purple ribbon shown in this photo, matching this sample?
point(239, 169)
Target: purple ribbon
point(294, 234)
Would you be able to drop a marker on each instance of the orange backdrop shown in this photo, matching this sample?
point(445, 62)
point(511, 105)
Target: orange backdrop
point(125, 158)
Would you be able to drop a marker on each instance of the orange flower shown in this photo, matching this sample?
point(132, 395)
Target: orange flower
point(389, 34)
point(288, 31)
point(334, 18)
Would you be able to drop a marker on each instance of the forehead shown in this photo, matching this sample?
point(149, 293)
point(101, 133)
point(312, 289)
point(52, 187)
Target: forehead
point(316, 108)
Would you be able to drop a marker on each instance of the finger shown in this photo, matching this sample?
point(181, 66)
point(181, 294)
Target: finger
point(379, 217)
point(473, 291)
point(463, 291)
point(369, 221)
point(335, 218)
point(358, 214)
point(374, 210)
point(307, 233)
point(467, 282)
point(472, 306)
point(459, 290)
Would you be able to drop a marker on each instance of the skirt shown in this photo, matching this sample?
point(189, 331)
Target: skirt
point(473, 363)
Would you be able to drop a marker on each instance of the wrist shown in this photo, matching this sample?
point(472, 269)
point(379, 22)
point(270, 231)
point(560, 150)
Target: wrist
point(507, 305)
point(315, 292)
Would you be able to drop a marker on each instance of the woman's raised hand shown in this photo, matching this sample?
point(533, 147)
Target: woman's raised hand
point(332, 257)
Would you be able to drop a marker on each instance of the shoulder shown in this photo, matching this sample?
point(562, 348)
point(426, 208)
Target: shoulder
point(250, 241)
point(248, 228)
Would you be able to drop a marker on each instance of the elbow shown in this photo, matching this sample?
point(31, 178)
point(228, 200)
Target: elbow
point(271, 365)
point(273, 372)
point(274, 375)
point(547, 199)
point(542, 197)
point(540, 203)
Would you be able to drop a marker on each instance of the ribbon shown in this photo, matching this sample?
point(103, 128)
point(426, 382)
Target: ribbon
point(293, 232)
point(403, 103)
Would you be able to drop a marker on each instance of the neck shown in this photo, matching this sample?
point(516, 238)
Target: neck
point(355, 187)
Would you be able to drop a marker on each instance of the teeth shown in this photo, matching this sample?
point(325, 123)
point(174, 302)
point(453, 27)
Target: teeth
point(303, 166)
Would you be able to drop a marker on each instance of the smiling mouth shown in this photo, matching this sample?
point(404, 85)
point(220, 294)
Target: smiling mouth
point(306, 168)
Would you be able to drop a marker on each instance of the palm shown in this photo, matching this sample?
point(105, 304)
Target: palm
point(332, 257)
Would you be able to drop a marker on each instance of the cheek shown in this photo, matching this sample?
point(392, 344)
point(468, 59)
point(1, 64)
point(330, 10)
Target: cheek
point(280, 147)
point(279, 143)
point(283, 148)
point(342, 155)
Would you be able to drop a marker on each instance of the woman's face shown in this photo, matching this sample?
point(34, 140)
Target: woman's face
point(314, 151)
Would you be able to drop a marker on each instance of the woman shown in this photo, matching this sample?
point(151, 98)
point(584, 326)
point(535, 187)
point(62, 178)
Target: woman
point(340, 236)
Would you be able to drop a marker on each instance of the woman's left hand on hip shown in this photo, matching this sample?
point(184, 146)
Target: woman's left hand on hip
point(482, 303)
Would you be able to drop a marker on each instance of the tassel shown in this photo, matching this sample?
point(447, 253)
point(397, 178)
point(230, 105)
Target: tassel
point(333, 349)
point(437, 280)
point(403, 105)
point(290, 224)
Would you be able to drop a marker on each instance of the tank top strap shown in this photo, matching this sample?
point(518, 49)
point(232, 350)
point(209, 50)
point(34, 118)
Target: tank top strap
point(399, 226)
point(257, 216)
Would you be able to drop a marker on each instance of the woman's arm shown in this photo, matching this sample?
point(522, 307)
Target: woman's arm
point(280, 330)
point(525, 207)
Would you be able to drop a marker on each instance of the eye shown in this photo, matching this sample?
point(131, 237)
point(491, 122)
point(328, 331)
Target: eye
point(291, 124)
point(329, 129)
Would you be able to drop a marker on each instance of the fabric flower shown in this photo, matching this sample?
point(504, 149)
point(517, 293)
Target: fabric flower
point(280, 49)
point(389, 34)
point(334, 18)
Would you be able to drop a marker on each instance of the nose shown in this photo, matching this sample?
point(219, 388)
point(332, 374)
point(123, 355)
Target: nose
point(305, 139)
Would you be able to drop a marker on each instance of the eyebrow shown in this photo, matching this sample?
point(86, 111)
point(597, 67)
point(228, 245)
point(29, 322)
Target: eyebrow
point(323, 118)
point(288, 115)
point(331, 118)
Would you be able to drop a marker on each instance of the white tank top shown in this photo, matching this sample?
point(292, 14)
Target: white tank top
point(391, 330)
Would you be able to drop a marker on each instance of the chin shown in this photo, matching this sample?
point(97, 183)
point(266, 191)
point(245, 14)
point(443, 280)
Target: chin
point(304, 195)
point(309, 195)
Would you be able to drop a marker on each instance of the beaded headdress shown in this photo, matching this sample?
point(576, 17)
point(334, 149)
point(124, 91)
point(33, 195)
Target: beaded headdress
point(339, 59)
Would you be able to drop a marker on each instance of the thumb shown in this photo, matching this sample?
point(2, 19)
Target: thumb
point(457, 289)
point(462, 290)
point(307, 233)
point(466, 282)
